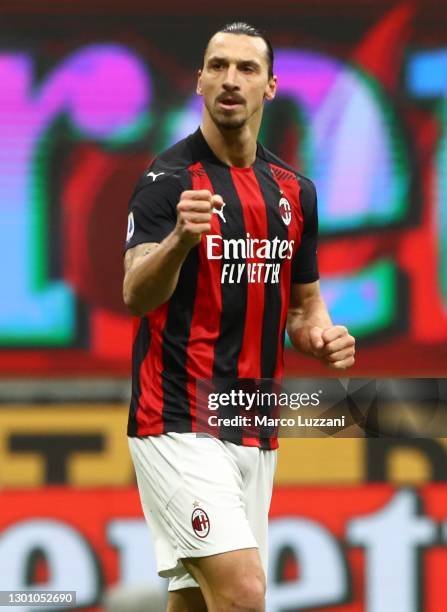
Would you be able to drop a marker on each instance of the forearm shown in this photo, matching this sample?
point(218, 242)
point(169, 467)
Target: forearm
point(153, 277)
point(300, 320)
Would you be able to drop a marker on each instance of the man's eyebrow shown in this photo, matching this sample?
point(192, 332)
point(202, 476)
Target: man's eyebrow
point(247, 62)
point(216, 58)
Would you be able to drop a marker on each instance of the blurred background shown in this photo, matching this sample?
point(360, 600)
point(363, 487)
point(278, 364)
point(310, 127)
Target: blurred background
point(90, 91)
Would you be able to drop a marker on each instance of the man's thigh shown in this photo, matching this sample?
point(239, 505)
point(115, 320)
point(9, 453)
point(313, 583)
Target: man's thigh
point(186, 600)
point(192, 495)
point(258, 470)
point(229, 577)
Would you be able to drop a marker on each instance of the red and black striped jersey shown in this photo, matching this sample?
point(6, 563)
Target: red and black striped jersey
point(226, 318)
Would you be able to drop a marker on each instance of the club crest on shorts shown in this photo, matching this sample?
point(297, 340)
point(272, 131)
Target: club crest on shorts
point(200, 523)
point(285, 211)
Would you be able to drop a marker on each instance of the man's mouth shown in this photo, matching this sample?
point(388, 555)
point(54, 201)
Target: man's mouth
point(229, 102)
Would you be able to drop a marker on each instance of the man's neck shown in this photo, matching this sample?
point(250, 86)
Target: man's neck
point(235, 147)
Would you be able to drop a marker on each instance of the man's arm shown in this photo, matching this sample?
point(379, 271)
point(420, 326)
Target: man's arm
point(312, 332)
point(151, 269)
point(151, 274)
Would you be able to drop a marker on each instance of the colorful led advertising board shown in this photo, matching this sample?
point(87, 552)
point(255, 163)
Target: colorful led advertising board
point(373, 548)
point(85, 103)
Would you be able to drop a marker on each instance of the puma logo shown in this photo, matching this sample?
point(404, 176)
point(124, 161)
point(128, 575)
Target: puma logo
point(220, 212)
point(154, 176)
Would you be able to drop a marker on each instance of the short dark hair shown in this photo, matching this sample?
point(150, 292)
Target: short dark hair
point(240, 27)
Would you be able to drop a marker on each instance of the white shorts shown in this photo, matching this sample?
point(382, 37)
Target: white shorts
point(202, 496)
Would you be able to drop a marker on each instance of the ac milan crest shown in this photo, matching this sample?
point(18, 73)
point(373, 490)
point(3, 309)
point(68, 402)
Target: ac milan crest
point(200, 523)
point(285, 210)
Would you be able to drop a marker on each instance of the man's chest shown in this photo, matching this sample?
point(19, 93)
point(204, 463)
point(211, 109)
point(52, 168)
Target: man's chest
point(257, 230)
point(255, 202)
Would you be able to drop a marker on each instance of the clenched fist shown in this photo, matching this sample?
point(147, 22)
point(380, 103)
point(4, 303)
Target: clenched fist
point(334, 346)
point(194, 215)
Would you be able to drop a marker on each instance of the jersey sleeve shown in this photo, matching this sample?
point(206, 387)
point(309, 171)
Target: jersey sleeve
point(153, 211)
point(305, 263)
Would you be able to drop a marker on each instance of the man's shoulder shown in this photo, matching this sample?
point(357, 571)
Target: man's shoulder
point(283, 170)
point(169, 169)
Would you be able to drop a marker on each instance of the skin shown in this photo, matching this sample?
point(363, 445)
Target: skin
point(312, 332)
point(234, 82)
point(151, 270)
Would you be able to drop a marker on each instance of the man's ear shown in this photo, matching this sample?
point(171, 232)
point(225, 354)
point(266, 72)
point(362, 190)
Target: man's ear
point(199, 83)
point(270, 92)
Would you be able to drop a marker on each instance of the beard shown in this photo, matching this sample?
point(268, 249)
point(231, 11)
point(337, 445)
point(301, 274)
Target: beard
point(226, 122)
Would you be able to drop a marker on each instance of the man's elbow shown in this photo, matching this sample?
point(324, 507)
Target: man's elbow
point(132, 303)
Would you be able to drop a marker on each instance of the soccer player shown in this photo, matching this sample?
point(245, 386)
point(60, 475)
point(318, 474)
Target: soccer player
point(221, 256)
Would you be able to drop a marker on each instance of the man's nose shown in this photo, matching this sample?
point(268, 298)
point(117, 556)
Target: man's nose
point(231, 78)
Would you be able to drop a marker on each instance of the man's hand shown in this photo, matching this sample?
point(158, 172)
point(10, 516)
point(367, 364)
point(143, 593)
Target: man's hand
point(333, 346)
point(312, 332)
point(194, 213)
point(152, 270)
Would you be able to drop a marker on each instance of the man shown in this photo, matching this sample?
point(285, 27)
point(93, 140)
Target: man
point(221, 251)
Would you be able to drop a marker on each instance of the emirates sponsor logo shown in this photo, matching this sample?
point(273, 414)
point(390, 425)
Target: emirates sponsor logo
point(248, 248)
point(252, 272)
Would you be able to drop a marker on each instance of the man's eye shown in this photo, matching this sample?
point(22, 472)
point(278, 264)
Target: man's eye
point(248, 68)
point(216, 66)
